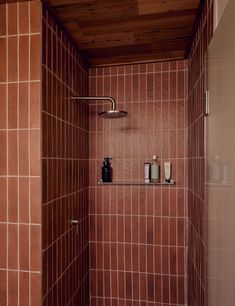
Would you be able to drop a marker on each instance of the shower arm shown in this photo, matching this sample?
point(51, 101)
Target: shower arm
point(110, 99)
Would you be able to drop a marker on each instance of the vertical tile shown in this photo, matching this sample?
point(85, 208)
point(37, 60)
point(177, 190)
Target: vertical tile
point(35, 16)
point(35, 153)
point(13, 286)
point(3, 61)
point(23, 105)
point(35, 248)
point(3, 199)
point(12, 19)
point(3, 243)
point(35, 56)
point(13, 249)
point(3, 107)
point(24, 58)
point(24, 247)
point(3, 287)
point(24, 288)
point(35, 104)
point(23, 152)
point(12, 199)
point(12, 59)
point(3, 153)
point(23, 17)
point(12, 106)
point(3, 19)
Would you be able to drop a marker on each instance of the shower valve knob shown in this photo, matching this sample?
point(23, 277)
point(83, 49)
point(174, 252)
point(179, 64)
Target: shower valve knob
point(74, 222)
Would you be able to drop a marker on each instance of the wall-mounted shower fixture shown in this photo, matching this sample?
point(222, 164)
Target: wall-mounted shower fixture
point(110, 114)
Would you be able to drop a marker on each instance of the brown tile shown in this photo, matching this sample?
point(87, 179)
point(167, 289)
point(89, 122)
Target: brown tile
point(23, 200)
point(23, 152)
point(35, 200)
point(12, 18)
point(35, 92)
point(35, 248)
point(12, 287)
point(3, 243)
point(35, 153)
point(35, 279)
point(24, 247)
point(35, 16)
point(12, 59)
point(12, 153)
point(181, 64)
point(3, 61)
point(23, 105)
point(23, 58)
point(3, 199)
point(12, 199)
point(181, 289)
point(3, 153)
point(24, 288)
point(12, 246)
point(3, 107)
point(2, 19)
point(3, 287)
point(12, 106)
point(35, 56)
point(24, 17)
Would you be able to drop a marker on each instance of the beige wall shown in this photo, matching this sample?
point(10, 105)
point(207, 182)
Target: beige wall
point(219, 8)
point(220, 161)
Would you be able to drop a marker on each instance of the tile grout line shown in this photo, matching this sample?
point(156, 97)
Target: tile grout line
point(18, 156)
point(7, 136)
point(29, 149)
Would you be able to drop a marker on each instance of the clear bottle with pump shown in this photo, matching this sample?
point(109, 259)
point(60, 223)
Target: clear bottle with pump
point(155, 170)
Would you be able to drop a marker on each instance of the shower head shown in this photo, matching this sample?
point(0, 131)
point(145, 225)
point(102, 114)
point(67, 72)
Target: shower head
point(110, 114)
point(113, 114)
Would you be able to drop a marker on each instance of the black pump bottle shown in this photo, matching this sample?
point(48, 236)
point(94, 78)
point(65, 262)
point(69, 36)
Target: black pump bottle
point(107, 170)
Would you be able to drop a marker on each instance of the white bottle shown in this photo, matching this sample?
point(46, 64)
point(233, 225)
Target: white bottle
point(147, 172)
point(167, 170)
point(155, 170)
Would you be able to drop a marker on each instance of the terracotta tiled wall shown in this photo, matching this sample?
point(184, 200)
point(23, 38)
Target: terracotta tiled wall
point(196, 203)
point(137, 233)
point(65, 170)
point(20, 171)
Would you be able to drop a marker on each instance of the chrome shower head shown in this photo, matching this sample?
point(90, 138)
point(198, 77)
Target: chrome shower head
point(113, 114)
point(110, 114)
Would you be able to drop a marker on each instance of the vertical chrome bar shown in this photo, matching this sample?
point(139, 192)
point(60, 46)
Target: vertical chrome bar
point(207, 104)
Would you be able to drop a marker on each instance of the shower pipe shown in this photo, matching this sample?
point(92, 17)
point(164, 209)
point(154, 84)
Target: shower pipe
point(113, 103)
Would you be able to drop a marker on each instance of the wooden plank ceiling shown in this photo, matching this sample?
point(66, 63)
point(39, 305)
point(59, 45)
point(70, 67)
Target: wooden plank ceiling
point(123, 31)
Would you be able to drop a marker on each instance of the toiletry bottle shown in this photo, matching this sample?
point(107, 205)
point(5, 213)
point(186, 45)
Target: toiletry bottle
point(147, 172)
point(155, 170)
point(167, 170)
point(107, 170)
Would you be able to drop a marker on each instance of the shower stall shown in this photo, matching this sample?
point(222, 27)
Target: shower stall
point(66, 239)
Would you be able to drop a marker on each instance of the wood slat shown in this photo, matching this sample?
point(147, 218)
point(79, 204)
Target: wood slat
point(132, 50)
point(149, 25)
point(153, 6)
point(125, 39)
point(123, 31)
point(137, 58)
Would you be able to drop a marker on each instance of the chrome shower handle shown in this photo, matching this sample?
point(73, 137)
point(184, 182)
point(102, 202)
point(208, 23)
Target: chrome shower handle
point(75, 223)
